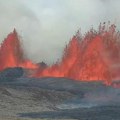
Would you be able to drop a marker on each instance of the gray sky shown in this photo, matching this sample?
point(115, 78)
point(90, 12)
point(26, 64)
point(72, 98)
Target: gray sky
point(47, 25)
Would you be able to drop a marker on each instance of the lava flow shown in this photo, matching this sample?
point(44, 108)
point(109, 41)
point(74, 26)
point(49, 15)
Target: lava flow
point(92, 57)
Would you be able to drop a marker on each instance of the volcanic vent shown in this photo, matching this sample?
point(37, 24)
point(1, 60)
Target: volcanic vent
point(92, 57)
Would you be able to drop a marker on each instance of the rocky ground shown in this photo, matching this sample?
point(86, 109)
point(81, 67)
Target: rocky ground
point(23, 98)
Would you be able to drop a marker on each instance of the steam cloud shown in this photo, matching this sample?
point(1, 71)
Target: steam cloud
point(47, 25)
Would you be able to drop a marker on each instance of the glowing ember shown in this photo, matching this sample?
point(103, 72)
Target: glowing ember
point(93, 57)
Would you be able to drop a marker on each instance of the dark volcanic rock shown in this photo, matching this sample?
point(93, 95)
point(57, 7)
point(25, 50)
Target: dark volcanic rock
point(11, 74)
point(56, 98)
point(42, 64)
point(4, 91)
point(96, 113)
point(50, 95)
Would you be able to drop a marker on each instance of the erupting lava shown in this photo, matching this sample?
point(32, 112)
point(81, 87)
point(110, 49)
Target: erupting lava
point(92, 57)
point(11, 53)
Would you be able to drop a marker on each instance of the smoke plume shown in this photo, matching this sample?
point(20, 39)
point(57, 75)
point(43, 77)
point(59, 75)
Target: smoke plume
point(47, 25)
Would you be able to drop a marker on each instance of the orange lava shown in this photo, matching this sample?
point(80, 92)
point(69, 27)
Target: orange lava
point(11, 53)
point(92, 57)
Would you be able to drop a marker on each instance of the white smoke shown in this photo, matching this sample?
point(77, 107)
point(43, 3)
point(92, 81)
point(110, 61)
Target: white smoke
point(47, 25)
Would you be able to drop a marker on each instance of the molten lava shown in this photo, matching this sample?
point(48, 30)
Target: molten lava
point(92, 57)
point(11, 54)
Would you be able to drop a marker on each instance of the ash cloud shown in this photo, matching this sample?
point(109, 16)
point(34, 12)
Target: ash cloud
point(47, 25)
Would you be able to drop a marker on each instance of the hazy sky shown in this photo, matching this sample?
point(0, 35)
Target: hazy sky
point(47, 25)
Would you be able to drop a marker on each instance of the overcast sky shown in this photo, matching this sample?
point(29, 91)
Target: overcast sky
point(47, 25)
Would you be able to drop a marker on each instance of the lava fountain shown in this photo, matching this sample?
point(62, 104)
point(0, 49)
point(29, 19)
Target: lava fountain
point(92, 57)
point(11, 53)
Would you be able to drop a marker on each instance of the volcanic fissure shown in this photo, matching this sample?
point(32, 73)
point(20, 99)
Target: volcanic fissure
point(92, 57)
